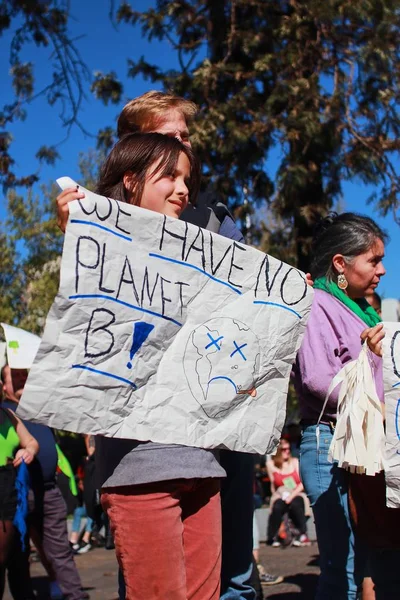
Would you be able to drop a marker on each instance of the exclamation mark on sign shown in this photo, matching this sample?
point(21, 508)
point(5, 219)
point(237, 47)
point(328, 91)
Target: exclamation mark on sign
point(141, 332)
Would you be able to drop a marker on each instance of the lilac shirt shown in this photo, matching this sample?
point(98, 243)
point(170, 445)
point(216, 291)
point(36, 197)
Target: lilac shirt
point(332, 339)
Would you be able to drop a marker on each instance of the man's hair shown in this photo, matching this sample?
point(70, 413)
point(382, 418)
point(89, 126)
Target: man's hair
point(136, 153)
point(146, 112)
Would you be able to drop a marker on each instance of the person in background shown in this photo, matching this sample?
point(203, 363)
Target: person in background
point(368, 592)
point(259, 576)
point(47, 520)
point(293, 436)
point(375, 524)
point(91, 499)
point(375, 301)
point(287, 496)
point(347, 254)
point(16, 445)
point(79, 514)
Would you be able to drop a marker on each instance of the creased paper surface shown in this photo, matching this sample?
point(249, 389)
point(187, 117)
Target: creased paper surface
point(166, 332)
point(391, 379)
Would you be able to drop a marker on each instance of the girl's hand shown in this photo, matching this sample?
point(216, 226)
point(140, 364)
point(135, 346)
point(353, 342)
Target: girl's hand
point(374, 336)
point(309, 280)
point(25, 455)
point(63, 199)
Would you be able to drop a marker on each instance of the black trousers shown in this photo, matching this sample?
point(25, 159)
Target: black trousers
point(296, 512)
point(48, 529)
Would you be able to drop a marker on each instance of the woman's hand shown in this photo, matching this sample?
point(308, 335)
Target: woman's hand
point(23, 455)
point(374, 336)
point(63, 199)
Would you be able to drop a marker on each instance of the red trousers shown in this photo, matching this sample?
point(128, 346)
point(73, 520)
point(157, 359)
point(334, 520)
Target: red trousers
point(168, 538)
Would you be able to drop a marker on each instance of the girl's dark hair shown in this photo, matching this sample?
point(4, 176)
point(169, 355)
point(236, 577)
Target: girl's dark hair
point(135, 153)
point(348, 234)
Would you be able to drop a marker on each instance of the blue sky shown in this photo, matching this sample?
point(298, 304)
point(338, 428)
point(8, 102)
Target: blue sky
point(106, 48)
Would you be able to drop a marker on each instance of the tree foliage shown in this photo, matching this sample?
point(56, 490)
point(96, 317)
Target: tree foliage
point(45, 25)
point(294, 99)
point(313, 83)
point(30, 250)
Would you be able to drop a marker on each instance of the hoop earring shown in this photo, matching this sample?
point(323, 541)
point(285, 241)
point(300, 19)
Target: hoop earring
point(342, 282)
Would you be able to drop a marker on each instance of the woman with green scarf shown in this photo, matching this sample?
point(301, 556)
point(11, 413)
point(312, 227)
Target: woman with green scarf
point(348, 250)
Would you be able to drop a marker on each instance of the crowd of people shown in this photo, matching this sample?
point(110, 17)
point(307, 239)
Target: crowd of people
point(196, 505)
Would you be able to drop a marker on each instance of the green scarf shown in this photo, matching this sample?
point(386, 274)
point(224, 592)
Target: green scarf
point(360, 307)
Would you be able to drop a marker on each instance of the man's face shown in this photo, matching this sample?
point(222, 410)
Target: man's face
point(174, 125)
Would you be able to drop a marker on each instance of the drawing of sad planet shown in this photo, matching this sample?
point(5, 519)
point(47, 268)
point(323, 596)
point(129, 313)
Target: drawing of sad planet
point(221, 364)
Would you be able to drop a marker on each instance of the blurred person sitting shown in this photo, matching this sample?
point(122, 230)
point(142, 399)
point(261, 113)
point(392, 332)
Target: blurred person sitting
point(287, 496)
point(47, 519)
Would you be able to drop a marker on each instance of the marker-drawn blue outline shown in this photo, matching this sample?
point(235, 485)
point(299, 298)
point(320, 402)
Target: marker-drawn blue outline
point(238, 349)
point(144, 310)
point(85, 368)
point(279, 306)
point(397, 419)
point(213, 342)
point(222, 377)
point(83, 222)
point(396, 384)
point(190, 266)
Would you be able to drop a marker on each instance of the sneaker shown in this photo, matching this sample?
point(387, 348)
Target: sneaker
point(301, 541)
point(84, 548)
point(260, 569)
point(276, 544)
point(268, 579)
point(74, 547)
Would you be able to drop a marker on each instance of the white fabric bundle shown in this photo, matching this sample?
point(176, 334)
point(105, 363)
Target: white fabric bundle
point(359, 437)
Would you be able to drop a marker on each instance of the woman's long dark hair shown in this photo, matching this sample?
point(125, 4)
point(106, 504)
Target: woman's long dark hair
point(135, 153)
point(348, 234)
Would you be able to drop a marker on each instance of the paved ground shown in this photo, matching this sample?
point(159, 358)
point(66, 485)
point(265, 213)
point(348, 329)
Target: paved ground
point(98, 571)
point(299, 566)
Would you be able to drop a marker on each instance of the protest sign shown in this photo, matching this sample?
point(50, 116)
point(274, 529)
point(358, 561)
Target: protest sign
point(166, 332)
point(391, 380)
point(21, 346)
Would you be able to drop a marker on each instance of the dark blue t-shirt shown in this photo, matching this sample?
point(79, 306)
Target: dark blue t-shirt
point(43, 469)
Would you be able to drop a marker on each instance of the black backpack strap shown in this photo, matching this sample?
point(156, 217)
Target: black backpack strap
point(221, 211)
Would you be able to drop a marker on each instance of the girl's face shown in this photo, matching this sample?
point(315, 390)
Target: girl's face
point(168, 194)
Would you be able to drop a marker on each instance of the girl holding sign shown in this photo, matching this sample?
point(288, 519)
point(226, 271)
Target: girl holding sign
point(347, 265)
point(163, 501)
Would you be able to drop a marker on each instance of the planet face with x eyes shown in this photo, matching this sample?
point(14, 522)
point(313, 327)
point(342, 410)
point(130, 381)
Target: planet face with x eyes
point(221, 364)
